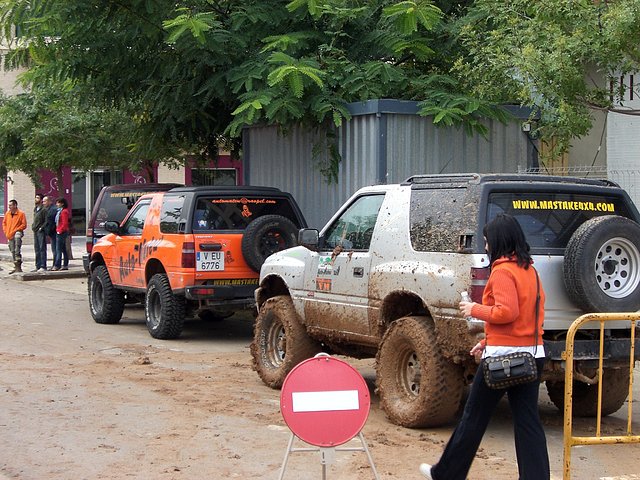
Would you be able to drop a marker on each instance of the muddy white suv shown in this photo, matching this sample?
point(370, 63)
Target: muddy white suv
point(383, 279)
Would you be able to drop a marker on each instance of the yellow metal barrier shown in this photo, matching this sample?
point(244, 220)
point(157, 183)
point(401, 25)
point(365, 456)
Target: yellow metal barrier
point(567, 356)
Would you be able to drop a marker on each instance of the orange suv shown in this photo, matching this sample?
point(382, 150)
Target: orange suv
point(190, 251)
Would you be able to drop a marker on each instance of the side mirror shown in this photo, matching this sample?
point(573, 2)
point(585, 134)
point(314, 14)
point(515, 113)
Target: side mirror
point(308, 237)
point(112, 227)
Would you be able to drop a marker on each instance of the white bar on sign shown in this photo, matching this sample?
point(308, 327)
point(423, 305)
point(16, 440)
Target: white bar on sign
point(325, 401)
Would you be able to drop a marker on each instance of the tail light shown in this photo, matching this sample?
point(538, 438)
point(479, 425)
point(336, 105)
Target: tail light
point(479, 277)
point(189, 255)
point(89, 241)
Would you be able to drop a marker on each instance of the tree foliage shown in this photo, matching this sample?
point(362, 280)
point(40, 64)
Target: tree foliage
point(563, 58)
point(205, 68)
point(198, 71)
point(50, 130)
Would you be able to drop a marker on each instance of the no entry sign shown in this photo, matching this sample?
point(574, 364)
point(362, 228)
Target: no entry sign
point(325, 401)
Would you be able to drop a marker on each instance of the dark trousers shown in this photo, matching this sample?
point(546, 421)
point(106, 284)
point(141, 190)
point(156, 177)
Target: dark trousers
point(52, 239)
point(530, 440)
point(40, 247)
point(61, 250)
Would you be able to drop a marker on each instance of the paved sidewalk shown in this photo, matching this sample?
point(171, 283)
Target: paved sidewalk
point(28, 262)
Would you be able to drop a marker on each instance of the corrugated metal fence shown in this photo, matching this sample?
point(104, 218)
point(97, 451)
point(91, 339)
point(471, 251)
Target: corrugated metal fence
point(384, 142)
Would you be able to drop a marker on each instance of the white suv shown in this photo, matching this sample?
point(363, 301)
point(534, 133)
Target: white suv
point(383, 279)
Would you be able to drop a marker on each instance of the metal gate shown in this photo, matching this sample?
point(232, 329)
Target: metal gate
point(569, 439)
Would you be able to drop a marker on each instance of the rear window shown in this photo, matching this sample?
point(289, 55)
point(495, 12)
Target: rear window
point(549, 219)
point(112, 207)
point(235, 213)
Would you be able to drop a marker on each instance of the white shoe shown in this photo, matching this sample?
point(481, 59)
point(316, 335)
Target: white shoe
point(425, 470)
point(42, 270)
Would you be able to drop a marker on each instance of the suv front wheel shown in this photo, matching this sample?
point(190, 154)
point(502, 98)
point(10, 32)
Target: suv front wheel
point(164, 311)
point(280, 341)
point(105, 301)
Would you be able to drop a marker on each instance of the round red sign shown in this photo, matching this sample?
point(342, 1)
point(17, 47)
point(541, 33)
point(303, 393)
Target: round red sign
point(324, 401)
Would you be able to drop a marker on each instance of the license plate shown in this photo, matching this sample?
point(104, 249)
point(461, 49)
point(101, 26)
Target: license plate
point(209, 261)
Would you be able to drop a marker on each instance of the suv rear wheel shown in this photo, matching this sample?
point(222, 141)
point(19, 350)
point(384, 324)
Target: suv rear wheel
point(280, 341)
point(164, 311)
point(602, 265)
point(267, 235)
point(418, 387)
point(105, 301)
point(615, 390)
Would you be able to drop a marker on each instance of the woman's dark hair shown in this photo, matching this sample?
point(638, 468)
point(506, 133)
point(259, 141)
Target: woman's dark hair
point(505, 238)
point(63, 201)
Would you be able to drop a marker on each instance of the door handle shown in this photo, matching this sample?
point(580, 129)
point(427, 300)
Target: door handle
point(211, 247)
point(358, 272)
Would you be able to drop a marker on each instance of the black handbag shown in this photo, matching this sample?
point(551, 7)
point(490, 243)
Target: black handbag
point(503, 371)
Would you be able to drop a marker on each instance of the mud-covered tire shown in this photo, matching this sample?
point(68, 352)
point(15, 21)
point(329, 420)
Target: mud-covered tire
point(615, 390)
point(417, 386)
point(267, 235)
point(164, 312)
point(280, 341)
point(106, 302)
point(602, 265)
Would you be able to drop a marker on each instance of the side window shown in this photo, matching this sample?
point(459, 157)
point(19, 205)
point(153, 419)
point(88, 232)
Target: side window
point(353, 230)
point(135, 222)
point(441, 217)
point(171, 220)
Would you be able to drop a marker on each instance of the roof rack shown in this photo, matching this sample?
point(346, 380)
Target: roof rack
point(441, 178)
point(503, 177)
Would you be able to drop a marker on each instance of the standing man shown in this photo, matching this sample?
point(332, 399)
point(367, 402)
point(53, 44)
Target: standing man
point(50, 226)
point(14, 225)
point(39, 235)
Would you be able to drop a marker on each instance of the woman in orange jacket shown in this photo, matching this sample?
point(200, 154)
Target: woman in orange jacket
point(509, 310)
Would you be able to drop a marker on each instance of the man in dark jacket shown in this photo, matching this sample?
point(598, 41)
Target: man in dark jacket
point(50, 225)
point(39, 234)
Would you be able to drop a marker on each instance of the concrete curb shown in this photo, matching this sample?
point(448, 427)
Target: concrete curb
point(76, 270)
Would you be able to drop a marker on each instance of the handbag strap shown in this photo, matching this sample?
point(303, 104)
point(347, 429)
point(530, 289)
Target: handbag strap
point(535, 339)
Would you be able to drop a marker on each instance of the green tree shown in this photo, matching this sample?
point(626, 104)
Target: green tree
point(563, 58)
point(203, 69)
point(49, 129)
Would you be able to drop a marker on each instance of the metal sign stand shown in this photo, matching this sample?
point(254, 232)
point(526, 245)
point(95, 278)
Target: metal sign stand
point(328, 455)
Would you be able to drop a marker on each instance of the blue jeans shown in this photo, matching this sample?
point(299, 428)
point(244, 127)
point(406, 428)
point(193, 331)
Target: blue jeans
point(40, 247)
point(61, 250)
point(531, 442)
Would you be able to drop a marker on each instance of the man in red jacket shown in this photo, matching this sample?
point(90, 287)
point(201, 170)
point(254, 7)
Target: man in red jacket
point(14, 224)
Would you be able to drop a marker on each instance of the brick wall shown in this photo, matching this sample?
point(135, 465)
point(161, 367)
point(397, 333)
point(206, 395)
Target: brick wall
point(22, 190)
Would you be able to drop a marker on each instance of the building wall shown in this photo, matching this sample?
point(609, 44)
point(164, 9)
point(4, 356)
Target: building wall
point(623, 144)
point(20, 188)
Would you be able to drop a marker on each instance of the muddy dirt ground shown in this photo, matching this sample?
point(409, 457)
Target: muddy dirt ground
point(80, 400)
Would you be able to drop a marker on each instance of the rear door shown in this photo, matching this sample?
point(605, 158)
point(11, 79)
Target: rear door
point(549, 218)
point(218, 226)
